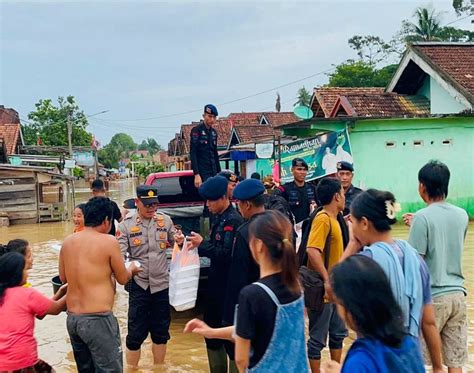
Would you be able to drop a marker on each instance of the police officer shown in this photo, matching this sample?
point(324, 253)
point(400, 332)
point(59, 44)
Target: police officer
point(203, 149)
point(301, 196)
point(232, 181)
point(144, 237)
point(219, 249)
point(345, 173)
point(250, 196)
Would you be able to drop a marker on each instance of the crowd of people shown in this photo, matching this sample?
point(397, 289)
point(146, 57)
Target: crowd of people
point(342, 270)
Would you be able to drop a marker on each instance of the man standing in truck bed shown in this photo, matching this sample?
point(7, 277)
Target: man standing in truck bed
point(203, 148)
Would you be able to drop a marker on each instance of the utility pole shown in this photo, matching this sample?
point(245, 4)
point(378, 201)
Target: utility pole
point(69, 133)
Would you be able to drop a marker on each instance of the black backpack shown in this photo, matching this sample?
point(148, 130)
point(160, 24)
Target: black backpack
point(306, 229)
point(276, 202)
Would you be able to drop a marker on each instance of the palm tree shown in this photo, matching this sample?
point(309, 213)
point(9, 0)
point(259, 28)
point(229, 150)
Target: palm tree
point(426, 27)
point(304, 97)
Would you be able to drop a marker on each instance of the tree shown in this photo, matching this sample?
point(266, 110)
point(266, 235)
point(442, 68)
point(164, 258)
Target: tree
point(425, 28)
point(462, 6)
point(278, 103)
point(49, 123)
point(147, 168)
point(455, 34)
point(304, 97)
point(151, 145)
point(120, 146)
point(360, 74)
point(370, 49)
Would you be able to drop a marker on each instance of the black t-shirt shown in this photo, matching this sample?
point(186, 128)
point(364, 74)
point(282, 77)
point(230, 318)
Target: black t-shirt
point(117, 215)
point(257, 312)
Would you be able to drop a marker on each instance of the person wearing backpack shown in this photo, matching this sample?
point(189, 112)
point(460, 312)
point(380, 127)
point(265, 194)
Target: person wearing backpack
point(324, 249)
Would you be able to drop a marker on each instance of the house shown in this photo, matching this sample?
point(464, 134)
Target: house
point(31, 194)
point(424, 113)
point(11, 139)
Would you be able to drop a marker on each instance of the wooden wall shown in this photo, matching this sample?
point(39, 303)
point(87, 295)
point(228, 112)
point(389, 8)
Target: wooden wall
point(20, 199)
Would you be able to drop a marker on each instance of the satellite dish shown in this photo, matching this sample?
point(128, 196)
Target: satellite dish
point(303, 112)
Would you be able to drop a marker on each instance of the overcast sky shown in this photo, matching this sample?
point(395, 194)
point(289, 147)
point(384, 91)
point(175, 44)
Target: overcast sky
point(149, 59)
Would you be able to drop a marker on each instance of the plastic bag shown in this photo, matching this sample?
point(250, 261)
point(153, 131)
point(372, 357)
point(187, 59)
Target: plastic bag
point(184, 278)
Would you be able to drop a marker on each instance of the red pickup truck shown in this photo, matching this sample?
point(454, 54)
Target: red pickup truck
point(179, 198)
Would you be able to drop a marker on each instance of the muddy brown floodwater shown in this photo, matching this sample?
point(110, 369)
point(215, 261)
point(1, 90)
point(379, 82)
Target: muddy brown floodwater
point(186, 352)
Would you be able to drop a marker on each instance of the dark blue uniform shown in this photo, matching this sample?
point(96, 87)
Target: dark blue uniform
point(350, 194)
point(299, 198)
point(219, 249)
point(203, 151)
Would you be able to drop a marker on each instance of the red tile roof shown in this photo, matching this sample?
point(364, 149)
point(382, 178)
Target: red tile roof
point(454, 60)
point(381, 105)
point(324, 98)
point(279, 119)
point(252, 134)
point(10, 135)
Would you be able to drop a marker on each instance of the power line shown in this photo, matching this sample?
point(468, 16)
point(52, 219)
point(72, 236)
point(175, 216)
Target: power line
point(457, 20)
point(226, 102)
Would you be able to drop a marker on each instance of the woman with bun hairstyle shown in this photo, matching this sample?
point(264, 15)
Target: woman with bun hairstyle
point(373, 212)
point(365, 301)
point(269, 325)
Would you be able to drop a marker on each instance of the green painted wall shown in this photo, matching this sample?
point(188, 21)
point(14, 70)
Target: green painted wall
point(388, 154)
point(442, 102)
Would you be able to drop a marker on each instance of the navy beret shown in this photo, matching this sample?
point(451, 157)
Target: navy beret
point(211, 109)
point(299, 162)
point(214, 188)
point(148, 194)
point(248, 189)
point(345, 166)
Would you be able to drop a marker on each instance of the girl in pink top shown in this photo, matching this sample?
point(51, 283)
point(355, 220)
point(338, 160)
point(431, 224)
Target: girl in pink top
point(18, 308)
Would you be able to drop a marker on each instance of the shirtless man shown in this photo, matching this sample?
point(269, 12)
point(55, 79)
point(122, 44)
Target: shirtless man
point(87, 261)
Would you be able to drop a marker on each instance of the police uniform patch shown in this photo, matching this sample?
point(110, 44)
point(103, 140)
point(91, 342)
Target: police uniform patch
point(162, 235)
point(163, 245)
point(137, 241)
point(135, 229)
point(118, 233)
point(218, 237)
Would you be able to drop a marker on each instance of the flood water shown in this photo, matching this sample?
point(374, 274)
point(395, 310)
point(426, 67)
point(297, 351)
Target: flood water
point(186, 352)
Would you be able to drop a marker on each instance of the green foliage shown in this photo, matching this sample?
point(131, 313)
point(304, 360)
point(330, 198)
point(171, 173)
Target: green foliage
point(455, 34)
point(147, 168)
point(370, 49)
point(462, 6)
point(78, 172)
point(151, 145)
point(119, 147)
point(304, 97)
point(49, 122)
point(360, 74)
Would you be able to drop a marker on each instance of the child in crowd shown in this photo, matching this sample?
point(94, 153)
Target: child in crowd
point(372, 214)
point(22, 247)
point(20, 306)
point(270, 313)
point(365, 301)
point(78, 217)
